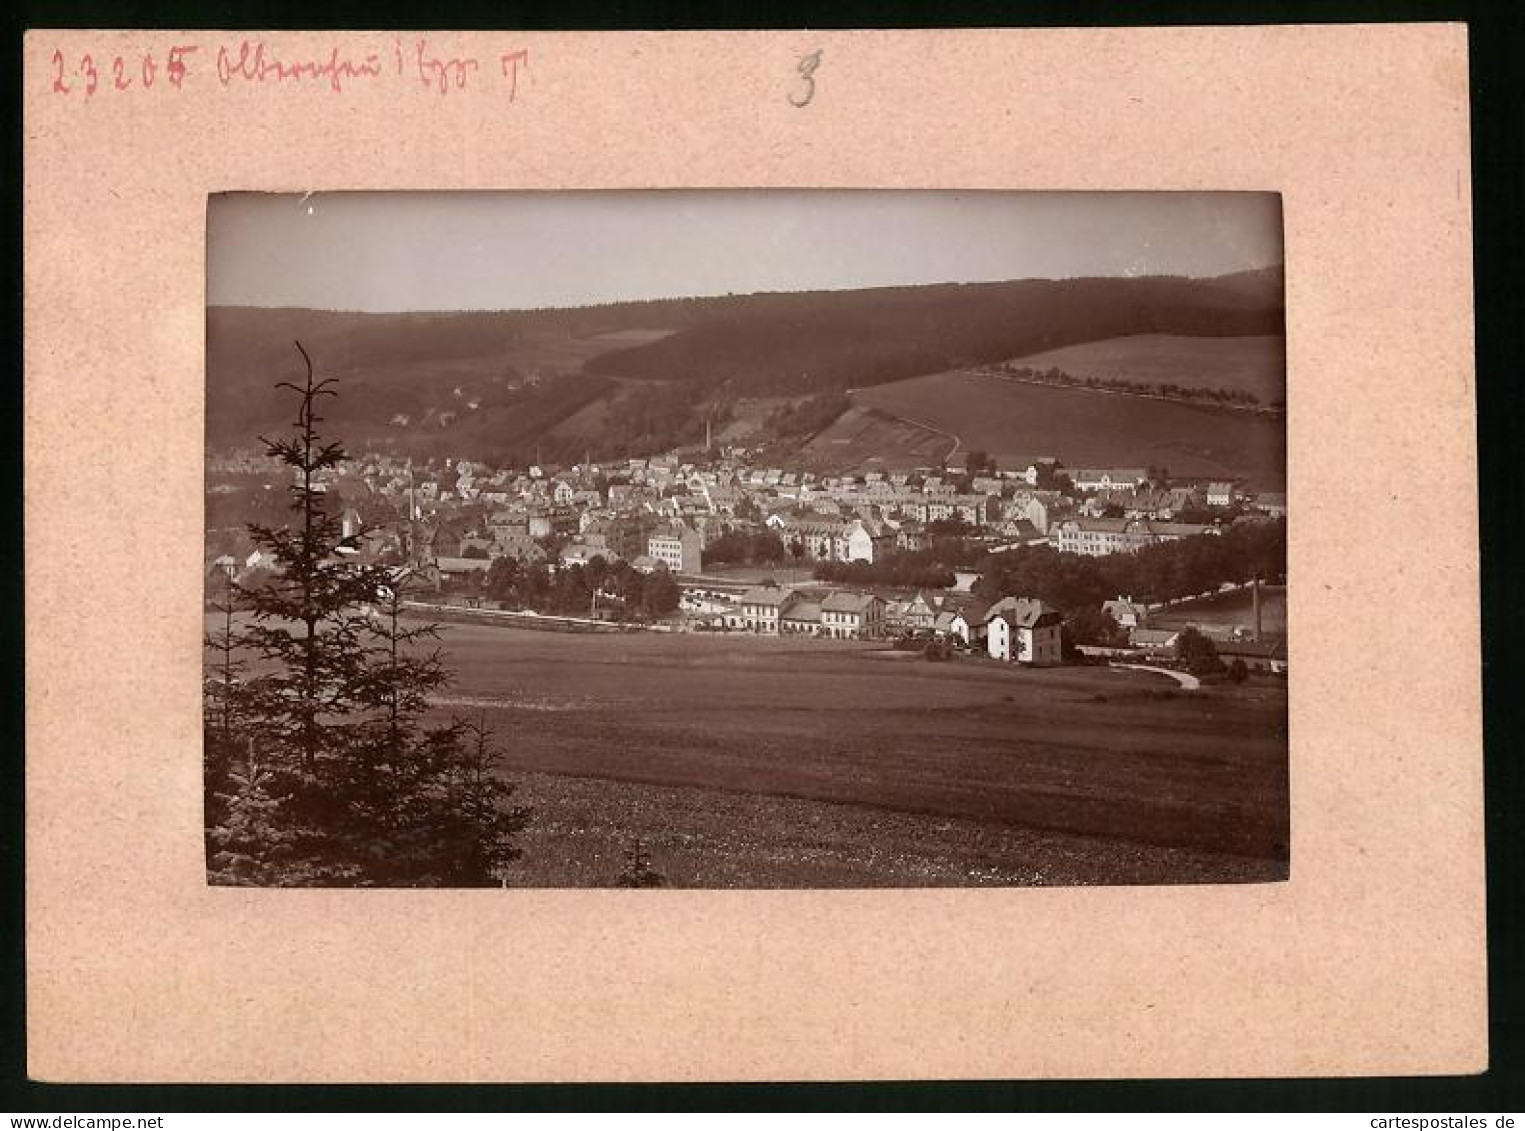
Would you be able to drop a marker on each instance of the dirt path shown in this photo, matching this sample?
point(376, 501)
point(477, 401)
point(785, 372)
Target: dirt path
point(1187, 681)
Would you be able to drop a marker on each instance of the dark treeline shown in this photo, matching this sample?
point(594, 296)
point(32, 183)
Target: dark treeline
point(809, 416)
point(455, 384)
point(931, 568)
point(782, 344)
point(756, 546)
point(1166, 571)
point(616, 591)
point(901, 572)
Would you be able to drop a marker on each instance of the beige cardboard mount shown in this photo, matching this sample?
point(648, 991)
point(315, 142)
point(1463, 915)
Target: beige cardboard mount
point(1369, 961)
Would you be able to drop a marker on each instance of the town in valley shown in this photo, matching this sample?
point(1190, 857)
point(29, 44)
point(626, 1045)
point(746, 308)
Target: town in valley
point(724, 545)
point(920, 584)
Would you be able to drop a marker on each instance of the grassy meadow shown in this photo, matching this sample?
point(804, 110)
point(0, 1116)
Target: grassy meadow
point(745, 762)
point(1016, 422)
point(1251, 363)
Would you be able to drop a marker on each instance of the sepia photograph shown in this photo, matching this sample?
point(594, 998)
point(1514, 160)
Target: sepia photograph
point(745, 539)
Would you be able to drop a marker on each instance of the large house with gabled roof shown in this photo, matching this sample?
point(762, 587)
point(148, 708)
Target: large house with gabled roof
point(762, 608)
point(920, 613)
point(1025, 630)
point(852, 616)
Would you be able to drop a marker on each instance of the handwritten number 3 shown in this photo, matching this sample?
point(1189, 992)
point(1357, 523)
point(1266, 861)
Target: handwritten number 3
point(808, 64)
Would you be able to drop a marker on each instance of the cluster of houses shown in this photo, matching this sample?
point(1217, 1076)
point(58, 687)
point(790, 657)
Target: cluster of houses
point(1016, 629)
point(1257, 650)
point(665, 511)
point(455, 519)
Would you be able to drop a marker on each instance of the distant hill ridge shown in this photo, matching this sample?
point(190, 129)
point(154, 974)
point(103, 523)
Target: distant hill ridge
point(496, 384)
point(781, 344)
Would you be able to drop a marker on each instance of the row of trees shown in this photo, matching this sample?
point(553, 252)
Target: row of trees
point(808, 416)
point(755, 546)
point(1165, 571)
point(902, 571)
point(322, 763)
point(929, 568)
point(579, 590)
point(1168, 389)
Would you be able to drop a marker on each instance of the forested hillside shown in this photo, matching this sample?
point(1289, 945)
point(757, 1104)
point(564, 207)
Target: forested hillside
point(637, 378)
point(779, 344)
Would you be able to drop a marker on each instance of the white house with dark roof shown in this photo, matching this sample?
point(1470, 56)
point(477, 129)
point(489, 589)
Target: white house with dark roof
point(866, 541)
point(852, 616)
point(1025, 630)
point(1127, 612)
point(1157, 643)
point(800, 618)
point(762, 608)
point(1108, 478)
point(963, 624)
point(1268, 656)
point(679, 547)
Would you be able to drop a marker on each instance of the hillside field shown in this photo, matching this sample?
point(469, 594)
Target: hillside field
point(637, 378)
point(1250, 363)
point(868, 439)
point(764, 762)
point(1016, 422)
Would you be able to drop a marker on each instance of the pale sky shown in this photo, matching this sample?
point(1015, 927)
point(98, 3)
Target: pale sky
point(519, 250)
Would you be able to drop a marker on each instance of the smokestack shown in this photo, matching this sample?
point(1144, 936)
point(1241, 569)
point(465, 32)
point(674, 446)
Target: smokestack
point(1255, 590)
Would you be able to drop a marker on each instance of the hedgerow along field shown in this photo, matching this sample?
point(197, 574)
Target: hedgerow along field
point(1016, 422)
point(742, 761)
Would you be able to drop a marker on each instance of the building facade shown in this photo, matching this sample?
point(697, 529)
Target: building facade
point(852, 616)
point(1096, 537)
point(680, 549)
point(1025, 630)
point(762, 608)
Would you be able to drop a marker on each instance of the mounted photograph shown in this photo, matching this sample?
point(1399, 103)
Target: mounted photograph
point(745, 539)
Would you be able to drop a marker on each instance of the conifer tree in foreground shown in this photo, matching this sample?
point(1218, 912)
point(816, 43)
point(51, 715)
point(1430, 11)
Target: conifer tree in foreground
point(323, 769)
point(223, 686)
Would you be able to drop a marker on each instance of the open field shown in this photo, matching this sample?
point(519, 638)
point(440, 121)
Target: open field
point(1250, 363)
point(584, 827)
point(1231, 610)
point(749, 762)
point(863, 437)
point(1016, 422)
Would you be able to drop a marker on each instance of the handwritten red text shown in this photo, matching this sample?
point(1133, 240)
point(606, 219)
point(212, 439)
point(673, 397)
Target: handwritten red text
point(256, 63)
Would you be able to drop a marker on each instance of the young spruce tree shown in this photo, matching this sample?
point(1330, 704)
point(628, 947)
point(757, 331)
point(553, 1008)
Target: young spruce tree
point(340, 779)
